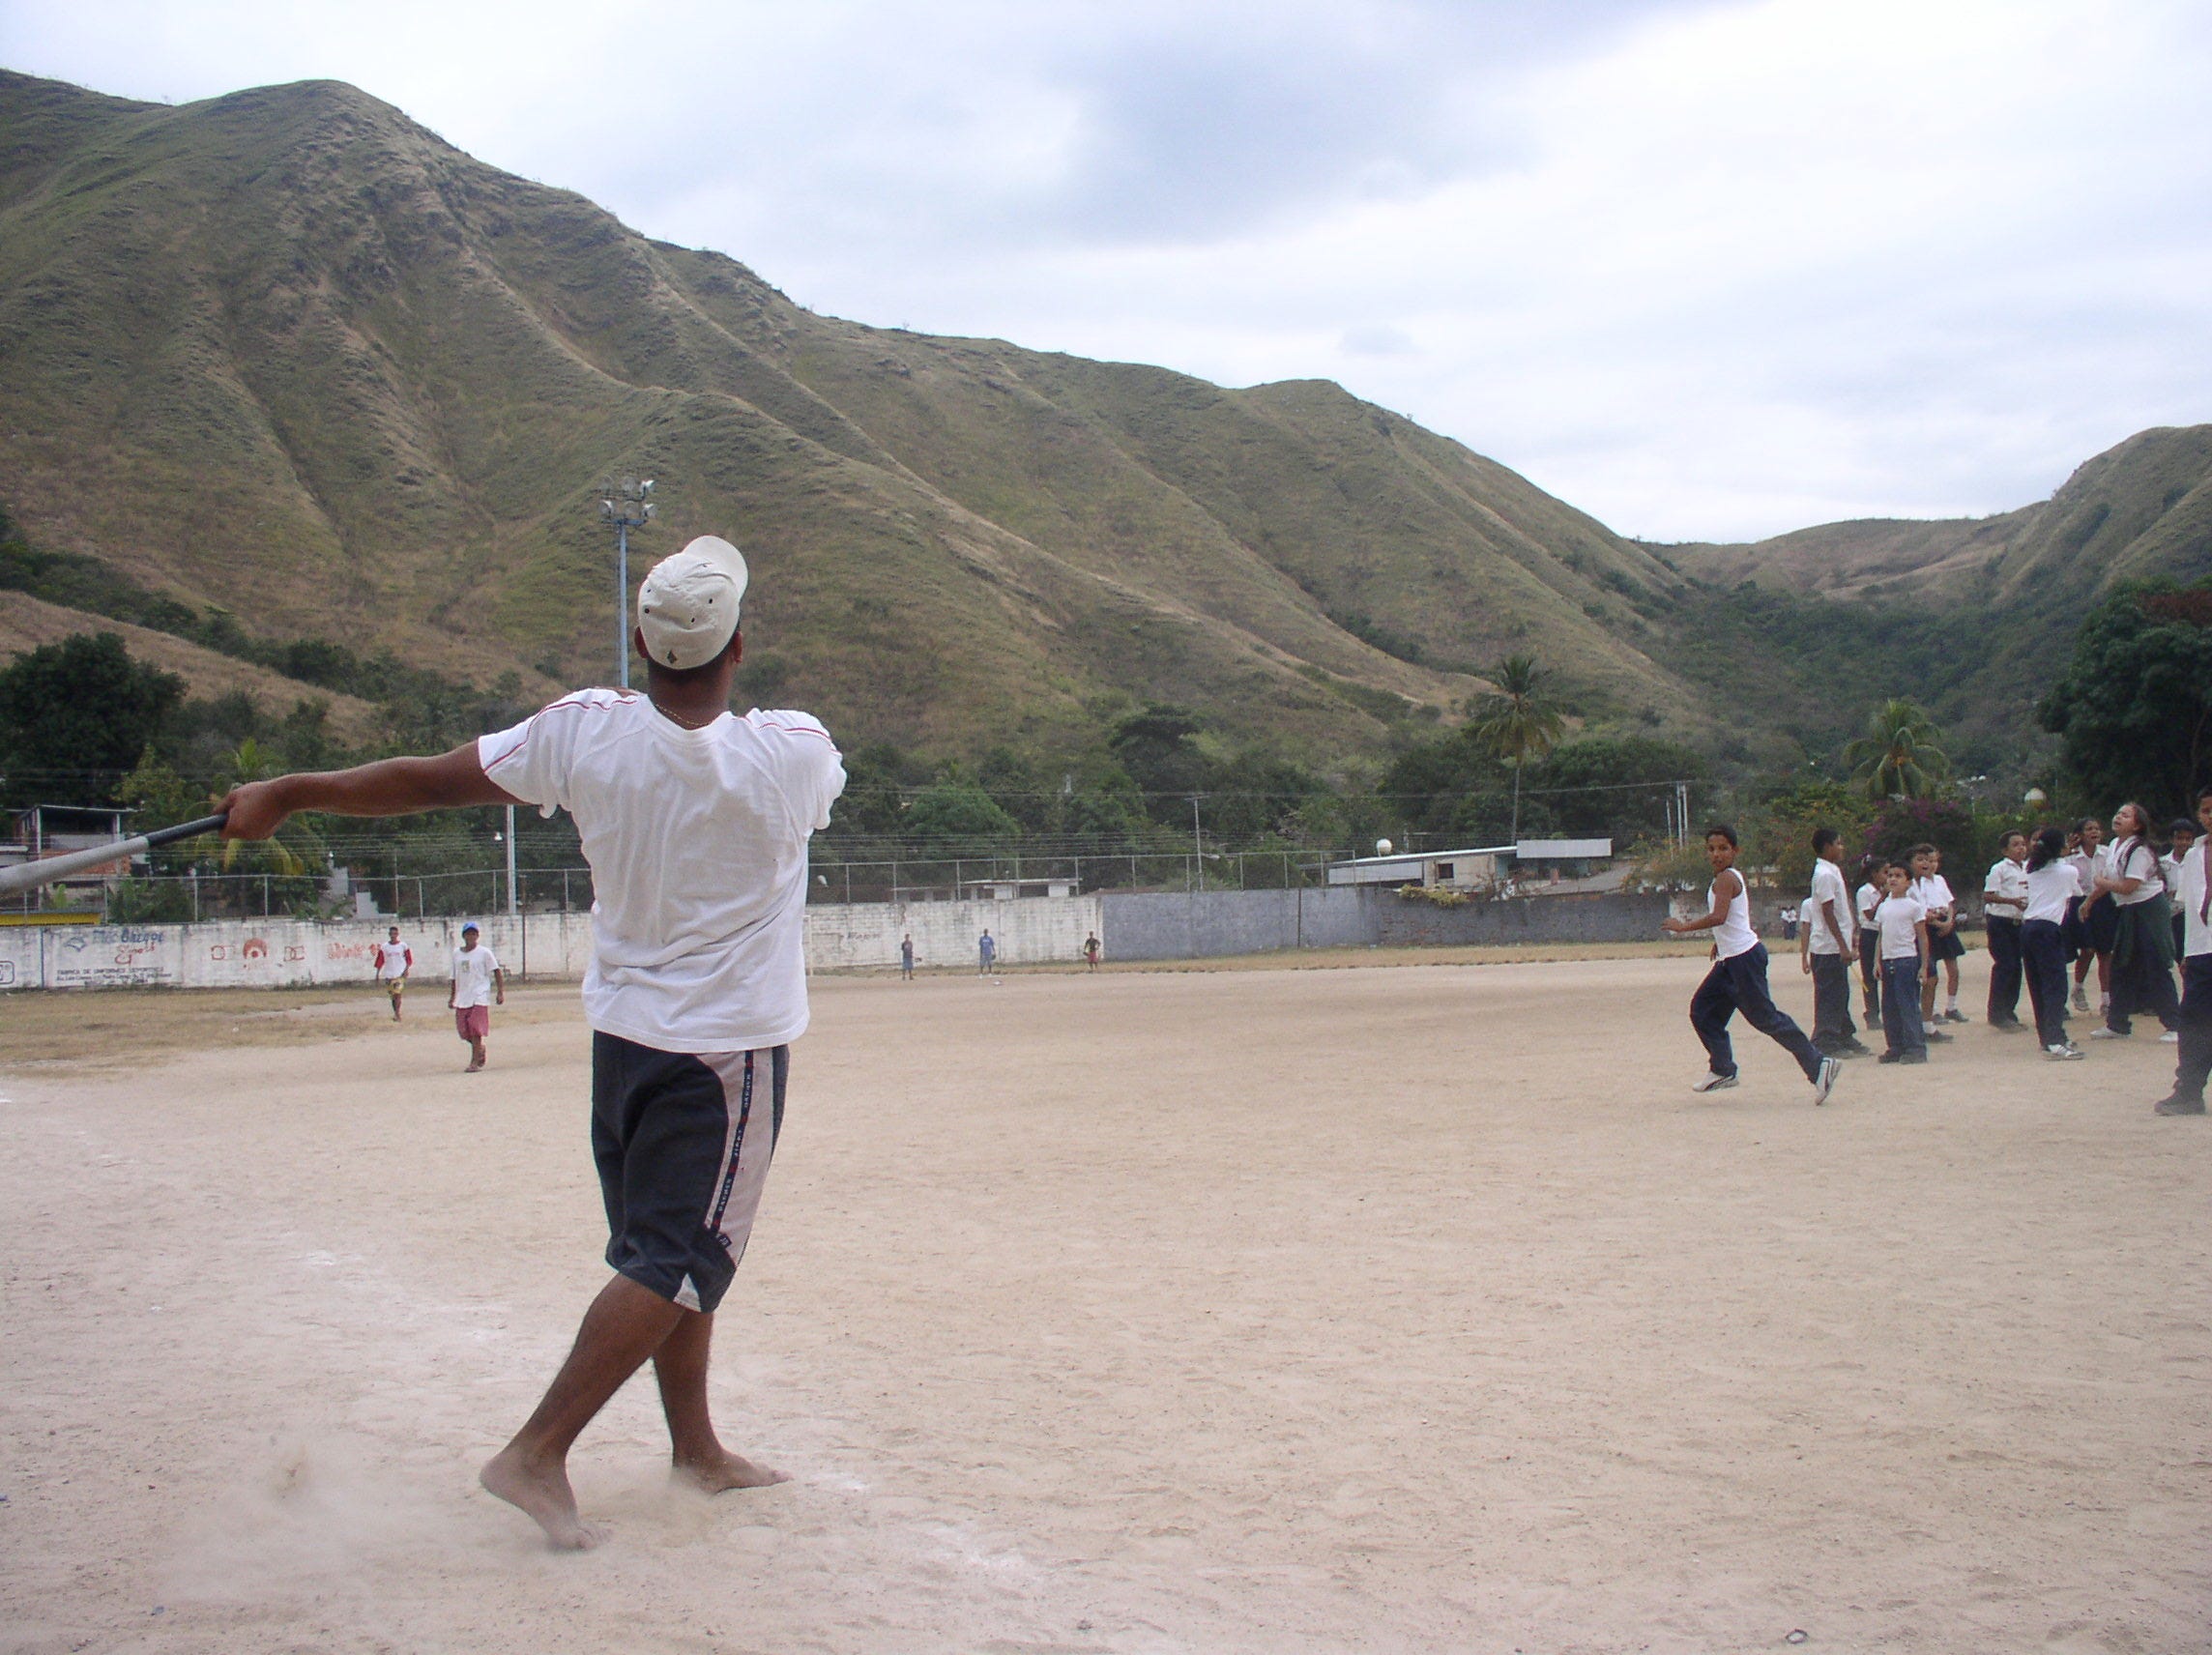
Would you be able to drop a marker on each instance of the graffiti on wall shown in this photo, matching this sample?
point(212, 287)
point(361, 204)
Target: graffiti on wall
point(110, 956)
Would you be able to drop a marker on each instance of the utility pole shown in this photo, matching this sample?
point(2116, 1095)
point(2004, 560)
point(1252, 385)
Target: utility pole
point(1197, 844)
point(511, 907)
point(627, 505)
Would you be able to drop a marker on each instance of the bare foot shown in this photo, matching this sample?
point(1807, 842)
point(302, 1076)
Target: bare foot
point(724, 1470)
point(542, 1495)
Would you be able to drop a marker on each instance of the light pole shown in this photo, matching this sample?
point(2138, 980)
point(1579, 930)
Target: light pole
point(628, 505)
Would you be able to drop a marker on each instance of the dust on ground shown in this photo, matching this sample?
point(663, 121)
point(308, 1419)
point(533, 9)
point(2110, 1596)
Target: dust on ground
point(1277, 1312)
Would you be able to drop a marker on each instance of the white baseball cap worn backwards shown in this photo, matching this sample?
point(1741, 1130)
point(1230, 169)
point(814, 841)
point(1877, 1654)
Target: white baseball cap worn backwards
point(687, 607)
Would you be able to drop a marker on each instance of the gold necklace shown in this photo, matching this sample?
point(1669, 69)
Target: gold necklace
point(685, 724)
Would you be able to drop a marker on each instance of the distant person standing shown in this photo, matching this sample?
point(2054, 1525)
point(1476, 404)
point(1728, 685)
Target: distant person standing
point(1090, 950)
point(1934, 893)
point(906, 957)
point(1833, 941)
point(986, 954)
point(2092, 929)
point(1902, 921)
point(2053, 887)
point(2193, 897)
point(477, 981)
point(394, 960)
point(2180, 837)
point(1865, 900)
point(2142, 932)
point(1737, 980)
point(2004, 906)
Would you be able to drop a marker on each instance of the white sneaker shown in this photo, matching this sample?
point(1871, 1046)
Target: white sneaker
point(1824, 1081)
point(2082, 1002)
point(1711, 1081)
point(2172, 1038)
point(2062, 1054)
point(2107, 1034)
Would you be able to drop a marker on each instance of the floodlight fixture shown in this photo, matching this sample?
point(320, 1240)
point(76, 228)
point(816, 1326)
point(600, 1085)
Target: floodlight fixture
point(633, 511)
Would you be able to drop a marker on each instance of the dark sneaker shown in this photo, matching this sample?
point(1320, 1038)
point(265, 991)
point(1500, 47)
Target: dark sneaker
point(1891, 1058)
point(1914, 1058)
point(1935, 1036)
point(2179, 1105)
point(1955, 1015)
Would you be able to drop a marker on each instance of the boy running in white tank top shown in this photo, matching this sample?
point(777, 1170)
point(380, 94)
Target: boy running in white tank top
point(1737, 980)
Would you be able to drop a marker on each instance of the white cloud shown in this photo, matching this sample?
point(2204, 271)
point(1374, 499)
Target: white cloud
point(1706, 269)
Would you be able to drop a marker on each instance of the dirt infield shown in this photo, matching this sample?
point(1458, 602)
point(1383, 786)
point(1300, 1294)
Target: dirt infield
point(1247, 1311)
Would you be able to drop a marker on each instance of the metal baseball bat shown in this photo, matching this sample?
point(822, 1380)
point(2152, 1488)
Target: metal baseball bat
point(29, 876)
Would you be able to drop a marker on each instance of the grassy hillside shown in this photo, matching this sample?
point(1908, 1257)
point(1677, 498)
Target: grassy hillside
point(287, 353)
point(292, 363)
point(1974, 617)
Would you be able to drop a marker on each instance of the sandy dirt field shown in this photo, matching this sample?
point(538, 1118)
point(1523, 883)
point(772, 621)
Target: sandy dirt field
point(1269, 1311)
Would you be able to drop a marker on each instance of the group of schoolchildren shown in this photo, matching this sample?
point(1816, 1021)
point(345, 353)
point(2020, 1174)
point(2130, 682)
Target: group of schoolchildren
point(2056, 900)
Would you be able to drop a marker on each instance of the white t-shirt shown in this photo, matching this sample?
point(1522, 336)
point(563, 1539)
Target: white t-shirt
point(2052, 889)
point(1870, 897)
point(2140, 862)
point(2189, 891)
point(472, 976)
point(1934, 894)
point(1897, 917)
point(697, 842)
point(391, 959)
point(1828, 886)
point(2007, 879)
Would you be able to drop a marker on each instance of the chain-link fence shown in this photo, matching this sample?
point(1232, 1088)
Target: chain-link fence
point(194, 896)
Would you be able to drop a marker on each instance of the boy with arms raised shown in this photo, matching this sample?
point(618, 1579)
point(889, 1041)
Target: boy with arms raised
point(1737, 980)
point(695, 824)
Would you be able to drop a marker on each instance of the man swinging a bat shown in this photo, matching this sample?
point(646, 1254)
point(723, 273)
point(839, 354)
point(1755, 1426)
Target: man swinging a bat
point(695, 823)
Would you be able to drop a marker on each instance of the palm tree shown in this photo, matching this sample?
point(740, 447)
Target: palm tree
point(1898, 755)
point(1516, 723)
point(293, 848)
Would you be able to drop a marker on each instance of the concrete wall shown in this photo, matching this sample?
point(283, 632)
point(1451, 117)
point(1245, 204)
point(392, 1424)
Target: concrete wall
point(287, 954)
point(1209, 925)
point(1029, 931)
point(1614, 917)
point(1197, 925)
point(273, 953)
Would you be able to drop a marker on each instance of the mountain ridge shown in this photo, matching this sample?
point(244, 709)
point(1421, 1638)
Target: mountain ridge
point(290, 354)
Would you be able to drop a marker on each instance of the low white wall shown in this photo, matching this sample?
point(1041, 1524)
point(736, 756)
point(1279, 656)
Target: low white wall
point(271, 953)
point(1029, 931)
point(289, 953)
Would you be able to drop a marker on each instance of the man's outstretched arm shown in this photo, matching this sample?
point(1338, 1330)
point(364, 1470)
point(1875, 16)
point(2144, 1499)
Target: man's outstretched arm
point(389, 787)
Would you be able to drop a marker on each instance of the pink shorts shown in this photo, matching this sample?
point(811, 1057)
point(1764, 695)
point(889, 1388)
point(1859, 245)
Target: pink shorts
point(473, 1021)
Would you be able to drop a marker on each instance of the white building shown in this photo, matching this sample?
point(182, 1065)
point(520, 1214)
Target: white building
point(1481, 867)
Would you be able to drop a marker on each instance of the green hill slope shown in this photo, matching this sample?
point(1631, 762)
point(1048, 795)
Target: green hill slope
point(288, 353)
point(1974, 617)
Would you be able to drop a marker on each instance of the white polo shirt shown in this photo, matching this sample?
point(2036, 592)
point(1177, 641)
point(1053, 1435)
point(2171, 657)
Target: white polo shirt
point(697, 842)
point(1828, 886)
point(2189, 893)
point(2135, 860)
point(2004, 893)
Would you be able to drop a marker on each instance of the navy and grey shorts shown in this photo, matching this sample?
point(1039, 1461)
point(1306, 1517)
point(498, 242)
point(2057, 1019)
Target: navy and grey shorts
point(682, 1140)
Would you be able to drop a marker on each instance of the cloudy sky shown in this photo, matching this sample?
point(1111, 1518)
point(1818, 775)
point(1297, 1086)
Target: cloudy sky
point(1708, 268)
